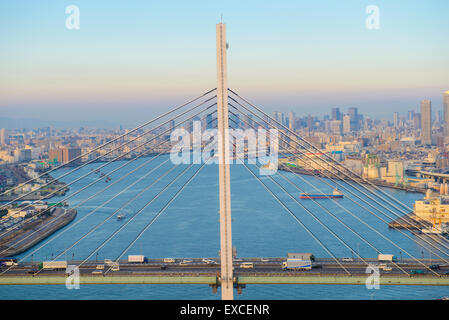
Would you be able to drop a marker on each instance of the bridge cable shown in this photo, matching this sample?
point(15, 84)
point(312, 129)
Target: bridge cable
point(113, 214)
point(439, 242)
point(102, 166)
point(442, 238)
point(159, 213)
point(297, 219)
point(113, 140)
point(342, 186)
point(136, 214)
point(368, 209)
point(110, 151)
point(327, 210)
point(317, 203)
point(98, 207)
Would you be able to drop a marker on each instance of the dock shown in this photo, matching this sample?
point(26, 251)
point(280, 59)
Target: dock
point(408, 221)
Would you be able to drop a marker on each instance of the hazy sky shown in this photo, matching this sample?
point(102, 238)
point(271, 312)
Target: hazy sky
point(131, 59)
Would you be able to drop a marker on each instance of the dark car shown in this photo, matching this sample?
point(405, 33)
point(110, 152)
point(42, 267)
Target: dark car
point(163, 267)
point(435, 267)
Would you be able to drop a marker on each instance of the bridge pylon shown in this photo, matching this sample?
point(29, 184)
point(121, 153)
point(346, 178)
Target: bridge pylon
point(227, 280)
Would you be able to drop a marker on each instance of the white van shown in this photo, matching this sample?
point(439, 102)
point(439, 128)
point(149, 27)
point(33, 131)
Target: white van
point(247, 265)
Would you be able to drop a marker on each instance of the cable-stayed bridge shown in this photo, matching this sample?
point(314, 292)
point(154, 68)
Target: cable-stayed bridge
point(222, 108)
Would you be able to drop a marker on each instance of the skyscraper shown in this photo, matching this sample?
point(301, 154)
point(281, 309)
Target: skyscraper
point(353, 113)
point(336, 114)
point(396, 119)
point(291, 121)
point(2, 136)
point(417, 121)
point(346, 123)
point(446, 113)
point(426, 122)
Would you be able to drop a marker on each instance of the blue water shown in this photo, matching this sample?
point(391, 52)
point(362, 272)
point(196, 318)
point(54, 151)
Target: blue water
point(190, 228)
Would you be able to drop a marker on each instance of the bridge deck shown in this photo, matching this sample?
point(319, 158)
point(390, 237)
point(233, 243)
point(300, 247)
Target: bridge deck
point(211, 279)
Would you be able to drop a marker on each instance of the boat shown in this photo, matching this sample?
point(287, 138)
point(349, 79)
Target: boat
point(120, 217)
point(268, 169)
point(336, 194)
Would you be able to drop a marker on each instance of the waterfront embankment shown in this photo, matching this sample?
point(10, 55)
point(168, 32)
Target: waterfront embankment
point(33, 232)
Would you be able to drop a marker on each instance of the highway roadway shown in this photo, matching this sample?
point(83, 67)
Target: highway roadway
point(211, 266)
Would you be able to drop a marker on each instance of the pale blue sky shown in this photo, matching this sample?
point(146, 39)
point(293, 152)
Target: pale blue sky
point(135, 58)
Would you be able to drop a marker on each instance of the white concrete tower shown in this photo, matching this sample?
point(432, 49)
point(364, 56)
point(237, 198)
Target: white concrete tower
point(227, 281)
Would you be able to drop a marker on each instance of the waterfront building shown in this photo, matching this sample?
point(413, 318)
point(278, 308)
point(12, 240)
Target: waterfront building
point(64, 154)
point(434, 209)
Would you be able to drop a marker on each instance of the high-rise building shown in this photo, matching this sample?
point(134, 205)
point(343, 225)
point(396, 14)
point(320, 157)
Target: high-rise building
point(335, 126)
point(65, 154)
point(346, 123)
point(438, 117)
point(353, 113)
point(410, 115)
point(417, 121)
point(336, 114)
point(396, 119)
point(426, 122)
point(3, 136)
point(310, 123)
point(22, 155)
point(291, 121)
point(446, 113)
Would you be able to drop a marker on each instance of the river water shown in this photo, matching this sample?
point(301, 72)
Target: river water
point(189, 228)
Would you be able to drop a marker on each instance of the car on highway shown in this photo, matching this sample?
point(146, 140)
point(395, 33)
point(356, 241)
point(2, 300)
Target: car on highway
point(169, 260)
point(100, 267)
point(185, 262)
point(434, 266)
point(347, 260)
point(208, 261)
point(264, 259)
point(108, 262)
point(115, 267)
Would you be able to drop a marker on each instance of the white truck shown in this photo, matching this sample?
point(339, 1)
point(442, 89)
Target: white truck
point(386, 258)
point(137, 259)
point(298, 261)
point(53, 265)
